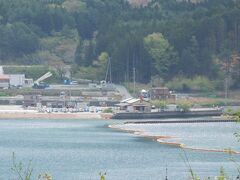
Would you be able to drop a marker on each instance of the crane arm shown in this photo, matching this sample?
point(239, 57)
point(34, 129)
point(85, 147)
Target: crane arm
point(45, 76)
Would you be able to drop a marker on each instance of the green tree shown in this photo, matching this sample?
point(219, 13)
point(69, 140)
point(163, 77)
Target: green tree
point(162, 52)
point(190, 58)
point(222, 175)
point(85, 52)
point(184, 106)
point(101, 65)
point(17, 39)
point(161, 105)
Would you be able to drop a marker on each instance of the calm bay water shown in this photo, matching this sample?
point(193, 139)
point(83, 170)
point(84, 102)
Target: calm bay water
point(71, 149)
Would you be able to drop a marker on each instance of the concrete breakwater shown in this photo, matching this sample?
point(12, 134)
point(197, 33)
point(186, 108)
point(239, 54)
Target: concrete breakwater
point(166, 114)
point(183, 121)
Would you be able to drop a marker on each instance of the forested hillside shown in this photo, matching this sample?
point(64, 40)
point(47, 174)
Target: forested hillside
point(165, 38)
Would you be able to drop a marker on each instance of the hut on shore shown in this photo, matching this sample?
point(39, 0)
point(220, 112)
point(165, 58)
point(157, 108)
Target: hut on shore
point(135, 105)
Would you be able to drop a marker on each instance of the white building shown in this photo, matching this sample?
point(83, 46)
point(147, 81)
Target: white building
point(135, 105)
point(17, 80)
point(13, 80)
point(1, 70)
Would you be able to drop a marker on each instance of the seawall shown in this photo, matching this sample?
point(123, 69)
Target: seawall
point(166, 114)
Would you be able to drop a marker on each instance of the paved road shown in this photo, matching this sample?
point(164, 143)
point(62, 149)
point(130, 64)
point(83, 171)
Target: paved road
point(123, 91)
point(68, 87)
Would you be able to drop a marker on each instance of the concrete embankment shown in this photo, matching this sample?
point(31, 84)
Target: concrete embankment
point(183, 121)
point(172, 114)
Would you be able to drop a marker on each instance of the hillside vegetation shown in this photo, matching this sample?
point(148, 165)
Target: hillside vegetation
point(159, 38)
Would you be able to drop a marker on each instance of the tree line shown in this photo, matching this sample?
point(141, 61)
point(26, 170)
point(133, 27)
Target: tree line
point(165, 38)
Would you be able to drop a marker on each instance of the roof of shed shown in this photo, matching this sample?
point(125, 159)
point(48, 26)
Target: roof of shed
point(3, 77)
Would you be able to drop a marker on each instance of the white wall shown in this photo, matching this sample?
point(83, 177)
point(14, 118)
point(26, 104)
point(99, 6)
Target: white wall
point(17, 79)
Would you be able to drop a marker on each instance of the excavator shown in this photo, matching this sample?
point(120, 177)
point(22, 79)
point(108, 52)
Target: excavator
point(39, 84)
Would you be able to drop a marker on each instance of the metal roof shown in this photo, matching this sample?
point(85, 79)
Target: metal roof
point(122, 104)
point(126, 100)
point(3, 77)
point(132, 101)
point(159, 88)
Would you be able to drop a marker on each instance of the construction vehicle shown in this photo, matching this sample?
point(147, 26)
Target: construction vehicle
point(39, 84)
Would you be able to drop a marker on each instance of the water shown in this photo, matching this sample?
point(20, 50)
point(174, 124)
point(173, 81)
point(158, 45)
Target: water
point(206, 136)
point(71, 149)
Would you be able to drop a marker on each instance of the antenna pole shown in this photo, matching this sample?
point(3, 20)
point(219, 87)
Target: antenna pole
point(106, 75)
point(110, 69)
point(134, 80)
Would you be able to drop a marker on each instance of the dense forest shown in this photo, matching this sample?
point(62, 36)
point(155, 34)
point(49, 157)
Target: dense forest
point(158, 38)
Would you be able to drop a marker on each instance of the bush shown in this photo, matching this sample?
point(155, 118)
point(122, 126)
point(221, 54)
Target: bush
point(184, 106)
point(108, 110)
point(159, 104)
point(3, 94)
point(237, 113)
point(86, 73)
point(198, 83)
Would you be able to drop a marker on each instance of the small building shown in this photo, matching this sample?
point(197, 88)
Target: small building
point(17, 80)
point(135, 105)
point(4, 81)
point(28, 82)
point(1, 70)
point(160, 93)
point(123, 105)
point(32, 100)
point(55, 104)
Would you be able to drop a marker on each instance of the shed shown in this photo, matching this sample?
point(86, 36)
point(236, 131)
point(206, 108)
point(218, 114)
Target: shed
point(32, 100)
point(159, 93)
point(4, 81)
point(17, 80)
point(135, 105)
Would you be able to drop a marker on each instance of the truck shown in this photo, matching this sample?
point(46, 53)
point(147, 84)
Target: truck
point(39, 84)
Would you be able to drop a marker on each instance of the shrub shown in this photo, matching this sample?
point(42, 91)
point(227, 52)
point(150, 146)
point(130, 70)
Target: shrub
point(108, 110)
point(184, 106)
point(198, 83)
point(3, 94)
point(237, 113)
point(159, 104)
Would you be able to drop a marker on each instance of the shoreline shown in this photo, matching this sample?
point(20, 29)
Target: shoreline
point(36, 115)
point(17, 112)
point(163, 140)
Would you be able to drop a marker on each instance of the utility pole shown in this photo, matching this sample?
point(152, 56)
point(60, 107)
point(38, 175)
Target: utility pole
point(227, 78)
point(226, 87)
point(70, 97)
point(110, 69)
point(134, 80)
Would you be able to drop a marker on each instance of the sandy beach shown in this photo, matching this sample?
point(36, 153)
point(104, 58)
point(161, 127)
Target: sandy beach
point(17, 112)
